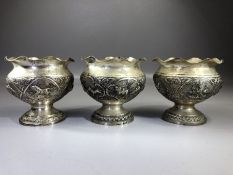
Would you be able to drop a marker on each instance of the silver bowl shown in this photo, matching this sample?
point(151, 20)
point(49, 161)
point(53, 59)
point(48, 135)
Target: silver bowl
point(40, 82)
point(187, 82)
point(113, 81)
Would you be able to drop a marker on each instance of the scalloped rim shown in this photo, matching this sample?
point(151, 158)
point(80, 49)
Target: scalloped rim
point(193, 60)
point(118, 59)
point(33, 59)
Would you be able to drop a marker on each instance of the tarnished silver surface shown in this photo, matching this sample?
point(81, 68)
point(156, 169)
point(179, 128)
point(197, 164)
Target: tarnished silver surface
point(187, 82)
point(113, 81)
point(40, 82)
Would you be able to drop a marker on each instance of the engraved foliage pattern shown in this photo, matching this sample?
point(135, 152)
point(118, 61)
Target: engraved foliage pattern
point(112, 88)
point(39, 89)
point(187, 89)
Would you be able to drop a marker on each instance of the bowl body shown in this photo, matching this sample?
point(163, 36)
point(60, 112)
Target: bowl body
point(187, 90)
point(112, 90)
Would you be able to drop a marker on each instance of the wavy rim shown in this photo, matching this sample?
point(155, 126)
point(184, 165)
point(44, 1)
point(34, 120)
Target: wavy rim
point(37, 59)
point(193, 60)
point(92, 59)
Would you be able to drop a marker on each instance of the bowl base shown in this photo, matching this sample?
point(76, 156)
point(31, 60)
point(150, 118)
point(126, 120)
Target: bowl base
point(41, 117)
point(112, 120)
point(184, 115)
point(112, 115)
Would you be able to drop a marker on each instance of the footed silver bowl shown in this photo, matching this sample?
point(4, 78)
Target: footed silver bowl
point(187, 82)
point(40, 82)
point(113, 81)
